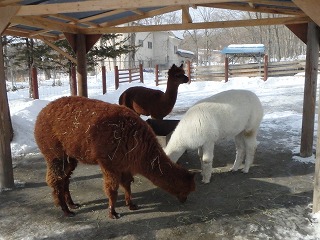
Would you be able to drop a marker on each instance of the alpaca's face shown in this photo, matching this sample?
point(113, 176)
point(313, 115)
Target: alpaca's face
point(189, 187)
point(177, 75)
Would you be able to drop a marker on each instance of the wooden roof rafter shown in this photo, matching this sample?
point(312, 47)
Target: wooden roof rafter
point(263, 6)
point(102, 5)
point(74, 21)
point(206, 25)
point(4, 3)
point(186, 18)
point(100, 16)
point(31, 34)
point(272, 3)
point(59, 50)
point(254, 9)
point(149, 14)
point(45, 23)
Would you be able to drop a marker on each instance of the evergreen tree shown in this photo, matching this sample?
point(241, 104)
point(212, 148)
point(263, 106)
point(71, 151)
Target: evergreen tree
point(22, 54)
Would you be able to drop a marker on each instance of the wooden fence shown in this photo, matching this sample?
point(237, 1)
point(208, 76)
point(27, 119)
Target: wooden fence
point(264, 70)
point(195, 73)
point(127, 75)
point(161, 77)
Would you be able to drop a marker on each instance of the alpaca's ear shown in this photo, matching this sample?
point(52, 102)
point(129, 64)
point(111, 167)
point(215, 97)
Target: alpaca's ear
point(173, 65)
point(181, 65)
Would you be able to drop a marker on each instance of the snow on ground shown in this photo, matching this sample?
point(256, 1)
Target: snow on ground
point(276, 94)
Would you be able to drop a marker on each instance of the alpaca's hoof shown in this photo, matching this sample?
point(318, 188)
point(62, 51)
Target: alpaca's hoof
point(205, 181)
point(245, 170)
point(133, 206)
point(182, 199)
point(233, 169)
point(69, 214)
point(114, 215)
point(74, 206)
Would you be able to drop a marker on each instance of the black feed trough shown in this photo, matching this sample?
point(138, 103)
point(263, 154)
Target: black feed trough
point(163, 129)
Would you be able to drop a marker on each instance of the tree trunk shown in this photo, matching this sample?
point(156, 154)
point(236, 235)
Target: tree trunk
point(30, 63)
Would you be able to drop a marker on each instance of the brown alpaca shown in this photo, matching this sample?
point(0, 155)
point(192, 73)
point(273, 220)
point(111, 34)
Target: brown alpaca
point(73, 129)
point(146, 101)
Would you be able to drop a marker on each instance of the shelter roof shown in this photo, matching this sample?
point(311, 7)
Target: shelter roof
point(50, 19)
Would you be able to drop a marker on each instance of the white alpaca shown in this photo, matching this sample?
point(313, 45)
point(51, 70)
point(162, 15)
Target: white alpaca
point(233, 113)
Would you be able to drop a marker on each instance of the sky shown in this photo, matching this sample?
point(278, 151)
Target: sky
point(276, 95)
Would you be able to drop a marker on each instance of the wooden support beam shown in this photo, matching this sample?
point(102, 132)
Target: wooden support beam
point(186, 18)
point(59, 50)
point(276, 7)
point(81, 45)
point(202, 25)
point(81, 65)
point(90, 40)
point(45, 23)
point(6, 13)
point(6, 170)
point(316, 191)
point(101, 5)
point(14, 31)
point(309, 102)
point(311, 8)
point(300, 30)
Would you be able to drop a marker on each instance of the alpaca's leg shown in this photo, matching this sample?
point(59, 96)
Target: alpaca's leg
point(111, 186)
point(56, 180)
point(70, 165)
point(251, 146)
point(126, 180)
point(240, 147)
point(200, 153)
point(206, 163)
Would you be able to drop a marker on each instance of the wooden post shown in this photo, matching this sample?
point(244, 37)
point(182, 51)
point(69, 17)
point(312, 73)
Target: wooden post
point(141, 73)
point(130, 75)
point(35, 88)
point(73, 83)
point(265, 67)
point(313, 58)
point(81, 44)
point(310, 86)
point(189, 70)
point(81, 65)
point(116, 77)
point(104, 80)
point(226, 69)
point(156, 72)
point(6, 170)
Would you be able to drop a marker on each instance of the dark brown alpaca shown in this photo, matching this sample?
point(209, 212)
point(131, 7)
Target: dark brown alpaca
point(158, 104)
point(77, 129)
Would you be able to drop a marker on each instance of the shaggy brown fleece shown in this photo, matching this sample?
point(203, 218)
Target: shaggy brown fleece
point(155, 103)
point(77, 129)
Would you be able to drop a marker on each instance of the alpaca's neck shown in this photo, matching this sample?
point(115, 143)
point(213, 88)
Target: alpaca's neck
point(160, 171)
point(171, 92)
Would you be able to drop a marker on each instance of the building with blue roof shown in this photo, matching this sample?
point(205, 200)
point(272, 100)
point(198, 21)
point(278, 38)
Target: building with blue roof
point(235, 51)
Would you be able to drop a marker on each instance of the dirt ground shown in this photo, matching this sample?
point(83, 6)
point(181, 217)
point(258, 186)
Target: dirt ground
point(271, 202)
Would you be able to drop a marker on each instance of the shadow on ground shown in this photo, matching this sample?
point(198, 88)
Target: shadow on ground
point(270, 202)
